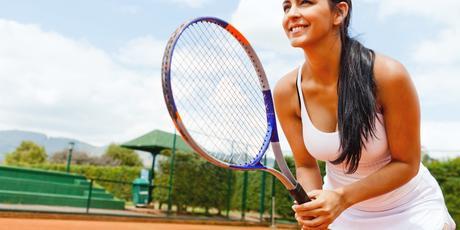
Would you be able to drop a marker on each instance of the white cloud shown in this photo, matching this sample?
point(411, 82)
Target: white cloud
point(438, 86)
point(261, 24)
point(445, 12)
point(442, 51)
point(142, 52)
point(440, 135)
point(63, 87)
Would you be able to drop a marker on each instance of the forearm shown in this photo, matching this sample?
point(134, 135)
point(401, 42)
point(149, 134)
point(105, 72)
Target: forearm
point(386, 179)
point(309, 177)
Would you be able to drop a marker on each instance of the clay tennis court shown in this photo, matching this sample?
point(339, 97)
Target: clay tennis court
point(53, 224)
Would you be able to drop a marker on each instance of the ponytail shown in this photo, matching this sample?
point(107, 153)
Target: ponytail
point(357, 107)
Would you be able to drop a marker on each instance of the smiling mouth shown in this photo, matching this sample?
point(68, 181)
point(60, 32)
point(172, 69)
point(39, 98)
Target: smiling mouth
point(297, 28)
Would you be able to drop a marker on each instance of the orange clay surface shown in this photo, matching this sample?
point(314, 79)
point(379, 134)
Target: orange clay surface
point(53, 224)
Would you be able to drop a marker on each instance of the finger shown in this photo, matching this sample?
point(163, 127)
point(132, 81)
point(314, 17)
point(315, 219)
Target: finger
point(314, 228)
point(301, 218)
point(314, 204)
point(314, 222)
point(298, 219)
point(309, 213)
point(324, 226)
point(313, 193)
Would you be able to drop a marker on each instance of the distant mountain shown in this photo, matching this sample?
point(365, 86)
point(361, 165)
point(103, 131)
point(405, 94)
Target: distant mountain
point(11, 139)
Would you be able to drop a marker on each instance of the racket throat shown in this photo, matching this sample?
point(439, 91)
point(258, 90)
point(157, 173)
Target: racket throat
point(251, 166)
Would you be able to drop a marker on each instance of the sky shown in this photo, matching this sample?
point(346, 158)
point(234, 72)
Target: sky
point(90, 70)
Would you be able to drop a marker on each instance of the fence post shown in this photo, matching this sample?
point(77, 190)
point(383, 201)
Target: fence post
point(88, 202)
point(171, 173)
point(262, 193)
point(243, 199)
point(229, 191)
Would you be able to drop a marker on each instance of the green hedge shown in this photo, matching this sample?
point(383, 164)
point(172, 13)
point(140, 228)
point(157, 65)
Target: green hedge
point(199, 184)
point(447, 173)
point(196, 183)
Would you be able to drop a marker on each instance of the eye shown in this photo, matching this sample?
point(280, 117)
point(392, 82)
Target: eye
point(305, 2)
point(286, 7)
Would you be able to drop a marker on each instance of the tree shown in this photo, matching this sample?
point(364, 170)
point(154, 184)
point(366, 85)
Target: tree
point(78, 157)
point(26, 153)
point(126, 157)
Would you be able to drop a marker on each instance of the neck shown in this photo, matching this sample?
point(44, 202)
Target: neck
point(322, 60)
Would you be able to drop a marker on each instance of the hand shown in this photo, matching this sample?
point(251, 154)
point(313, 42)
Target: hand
point(324, 208)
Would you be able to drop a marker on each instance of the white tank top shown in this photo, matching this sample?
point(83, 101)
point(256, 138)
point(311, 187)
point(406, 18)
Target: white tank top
point(375, 154)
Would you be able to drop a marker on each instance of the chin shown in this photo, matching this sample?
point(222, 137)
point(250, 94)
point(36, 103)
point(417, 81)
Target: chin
point(299, 43)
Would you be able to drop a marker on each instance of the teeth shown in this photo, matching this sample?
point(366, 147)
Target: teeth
point(297, 28)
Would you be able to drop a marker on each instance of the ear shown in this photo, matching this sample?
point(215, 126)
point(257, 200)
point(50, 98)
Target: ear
point(341, 12)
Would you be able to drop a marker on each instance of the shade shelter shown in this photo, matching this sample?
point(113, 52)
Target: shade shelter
point(154, 142)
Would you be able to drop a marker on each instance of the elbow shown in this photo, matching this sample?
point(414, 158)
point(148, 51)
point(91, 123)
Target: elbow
point(407, 170)
point(412, 169)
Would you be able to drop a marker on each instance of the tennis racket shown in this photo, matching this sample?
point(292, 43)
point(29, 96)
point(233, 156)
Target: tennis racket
point(219, 99)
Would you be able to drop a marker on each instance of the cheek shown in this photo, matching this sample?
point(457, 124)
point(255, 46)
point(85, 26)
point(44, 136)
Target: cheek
point(321, 23)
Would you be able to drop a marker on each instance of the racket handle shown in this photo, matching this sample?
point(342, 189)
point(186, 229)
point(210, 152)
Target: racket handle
point(299, 194)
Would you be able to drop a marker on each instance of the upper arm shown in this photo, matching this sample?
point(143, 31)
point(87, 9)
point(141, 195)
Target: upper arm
point(286, 104)
point(400, 103)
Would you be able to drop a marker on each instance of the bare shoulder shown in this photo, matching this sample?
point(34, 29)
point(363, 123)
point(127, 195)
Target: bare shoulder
point(286, 85)
point(285, 94)
point(393, 82)
point(390, 72)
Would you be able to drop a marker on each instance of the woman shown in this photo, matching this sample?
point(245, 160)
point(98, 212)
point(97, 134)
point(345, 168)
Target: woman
point(358, 111)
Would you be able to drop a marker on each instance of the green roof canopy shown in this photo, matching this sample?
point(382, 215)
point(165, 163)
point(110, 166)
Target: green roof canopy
point(155, 141)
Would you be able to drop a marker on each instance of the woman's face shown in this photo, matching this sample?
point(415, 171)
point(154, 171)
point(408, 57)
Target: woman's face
point(307, 21)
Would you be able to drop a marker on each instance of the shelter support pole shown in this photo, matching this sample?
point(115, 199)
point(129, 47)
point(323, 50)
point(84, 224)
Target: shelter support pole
point(152, 177)
point(171, 174)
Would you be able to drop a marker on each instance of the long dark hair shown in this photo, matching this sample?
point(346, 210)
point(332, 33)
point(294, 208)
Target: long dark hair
point(357, 95)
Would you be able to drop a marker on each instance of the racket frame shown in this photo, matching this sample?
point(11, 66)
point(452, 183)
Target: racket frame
point(285, 176)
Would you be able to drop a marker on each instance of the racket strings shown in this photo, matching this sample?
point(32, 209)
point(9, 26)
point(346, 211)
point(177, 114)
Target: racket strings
point(246, 69)
point(232, 56)
point(215, 82)
point(234, 72)
point(218, 95)
point(249, 70)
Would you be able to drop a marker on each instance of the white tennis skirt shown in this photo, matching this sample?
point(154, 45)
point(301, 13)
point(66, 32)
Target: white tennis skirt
point(423, 208)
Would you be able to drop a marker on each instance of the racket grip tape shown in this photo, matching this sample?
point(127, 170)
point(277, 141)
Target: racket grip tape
point(299, 194)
